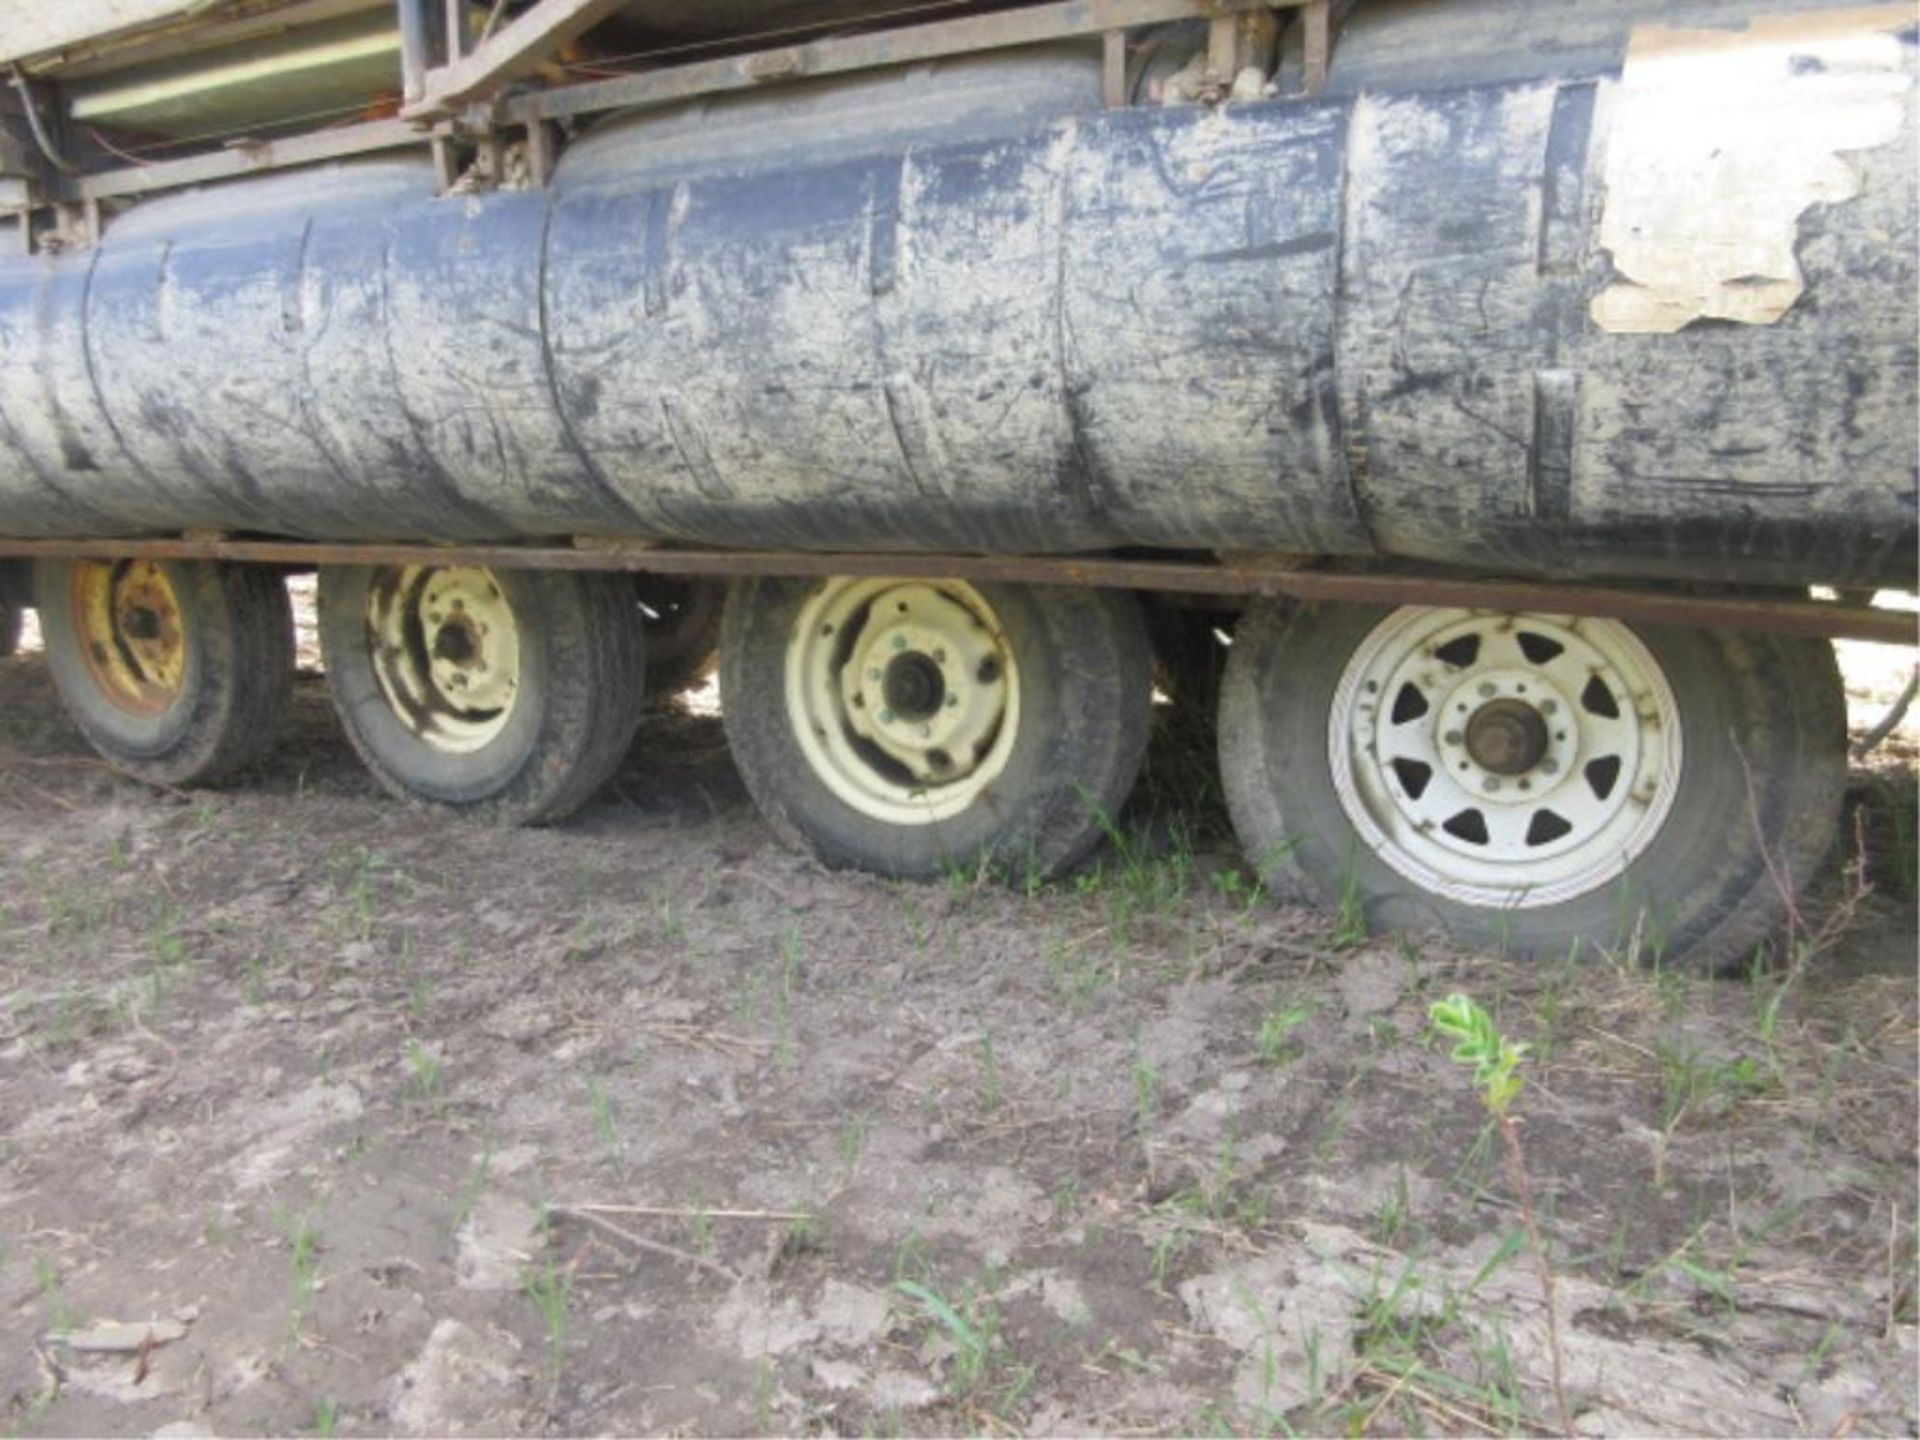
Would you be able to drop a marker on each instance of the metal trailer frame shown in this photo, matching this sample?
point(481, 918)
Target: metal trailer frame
point(459, 103)
point(1247, 576)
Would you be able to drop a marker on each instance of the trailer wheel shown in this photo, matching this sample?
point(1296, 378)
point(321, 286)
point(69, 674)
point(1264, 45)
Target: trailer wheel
point(509, 694)
point(9, 630)
point(911, 727)
point(1533, 782)
point(682, 621)
point(177, 672)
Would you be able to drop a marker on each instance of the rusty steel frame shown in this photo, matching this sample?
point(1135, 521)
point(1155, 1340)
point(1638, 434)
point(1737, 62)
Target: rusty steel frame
point(516, 47)
point(248, 159)
point(429, 119)
point(1232, 576)
point(1004, 29)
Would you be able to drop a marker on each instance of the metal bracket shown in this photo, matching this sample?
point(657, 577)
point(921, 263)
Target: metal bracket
point(543, 151)
point(19, 197)
point(69, 227)
point(1240, 43)
point(1316, 22)
point(1113, 69)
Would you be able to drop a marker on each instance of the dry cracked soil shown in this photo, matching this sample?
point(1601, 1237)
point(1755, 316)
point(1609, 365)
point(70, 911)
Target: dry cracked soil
point(325, 1115)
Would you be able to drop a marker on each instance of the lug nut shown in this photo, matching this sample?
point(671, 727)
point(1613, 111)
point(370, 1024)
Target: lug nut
point(1492, 785)
point(1549, 707)
point(1550, 766)
point(1454, 737)
point(1487, 688)
point(886, 717)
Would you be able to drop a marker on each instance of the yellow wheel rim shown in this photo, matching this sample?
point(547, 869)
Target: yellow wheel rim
point(132, 633)
point(446, 650)
point(903, 694)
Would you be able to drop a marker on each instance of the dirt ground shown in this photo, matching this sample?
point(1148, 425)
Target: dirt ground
point(324, 1115)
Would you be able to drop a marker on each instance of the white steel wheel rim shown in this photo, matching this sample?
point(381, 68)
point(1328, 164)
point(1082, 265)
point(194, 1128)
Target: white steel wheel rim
point(903, 694)
point(446, 651)
point(1443, 715)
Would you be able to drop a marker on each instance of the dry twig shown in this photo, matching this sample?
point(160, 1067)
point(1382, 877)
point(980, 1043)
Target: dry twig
point(683, 1212)
point(641, 1242)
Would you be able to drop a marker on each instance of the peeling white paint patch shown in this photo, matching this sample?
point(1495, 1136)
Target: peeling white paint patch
point(1722, 138)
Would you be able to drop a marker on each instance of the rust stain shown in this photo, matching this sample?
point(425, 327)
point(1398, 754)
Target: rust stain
point(1722, 139)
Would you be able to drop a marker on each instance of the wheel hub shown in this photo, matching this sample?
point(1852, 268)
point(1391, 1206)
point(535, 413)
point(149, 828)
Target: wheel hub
point(913, 686)
point(455, 643)
point(1507, 737)
point(142, 623)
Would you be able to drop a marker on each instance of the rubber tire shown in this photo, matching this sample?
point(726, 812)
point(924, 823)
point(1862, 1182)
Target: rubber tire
point(581, 684)
point(1702, 883)
point(683, 646)
point(235, 689)
point(1085, 697)
point(9, 630)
